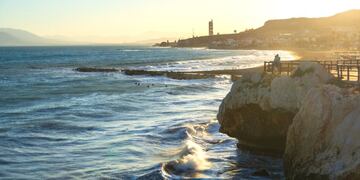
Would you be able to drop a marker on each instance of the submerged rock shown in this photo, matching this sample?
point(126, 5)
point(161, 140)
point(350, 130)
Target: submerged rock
point(259, 108)
point(324, 140)
point(261, 172)
point(169, 74)
point(91, 69)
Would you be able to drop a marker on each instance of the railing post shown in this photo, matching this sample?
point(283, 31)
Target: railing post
point(348, 73)
point(338, 71)
point(280, 68)
point(358, 69)
point(341, 71)
point(288, 68)
point(331, 66)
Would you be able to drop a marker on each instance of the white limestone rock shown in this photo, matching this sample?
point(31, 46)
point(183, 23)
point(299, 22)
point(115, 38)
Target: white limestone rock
point(271, 101)
point(284, 93)
point(289, 92)
point(324, 140)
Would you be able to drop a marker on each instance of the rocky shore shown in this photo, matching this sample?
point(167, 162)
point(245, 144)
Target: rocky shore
point(234, 73)
point(135, 72)
point(304, 117)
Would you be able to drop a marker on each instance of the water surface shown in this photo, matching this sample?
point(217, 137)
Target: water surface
point(62, 124)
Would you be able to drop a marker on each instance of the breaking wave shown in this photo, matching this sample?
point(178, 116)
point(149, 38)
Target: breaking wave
point(192, 158)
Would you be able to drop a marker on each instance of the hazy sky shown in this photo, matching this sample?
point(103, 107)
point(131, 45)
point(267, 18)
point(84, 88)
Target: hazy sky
point(132, 20)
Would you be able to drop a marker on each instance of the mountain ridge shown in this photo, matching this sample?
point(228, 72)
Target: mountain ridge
point(347, 18)
point(17, 37)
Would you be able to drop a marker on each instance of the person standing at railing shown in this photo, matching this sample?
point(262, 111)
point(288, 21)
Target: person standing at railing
point(277, 63)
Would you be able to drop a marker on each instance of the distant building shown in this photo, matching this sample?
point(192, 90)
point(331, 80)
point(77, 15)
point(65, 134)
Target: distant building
point(211, 28)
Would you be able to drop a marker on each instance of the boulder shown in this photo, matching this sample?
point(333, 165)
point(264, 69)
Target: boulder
point(260, 107)
point(324, 141)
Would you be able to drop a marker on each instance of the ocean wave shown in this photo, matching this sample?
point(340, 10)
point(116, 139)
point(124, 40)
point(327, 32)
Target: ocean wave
point(191, 158)
point(175, 133)
point(192, 161)
point(31, 141)
point(154, 175)
point(45, 125)
point(131, 50)
point(186, 131)
point(247, 59)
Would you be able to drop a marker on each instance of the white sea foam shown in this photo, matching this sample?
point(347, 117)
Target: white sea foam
point(131, 50)
point(192, 156)
point(193, 159)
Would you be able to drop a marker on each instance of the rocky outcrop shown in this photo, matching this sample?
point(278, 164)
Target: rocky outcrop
point(169, 74)
point(324, 139)
point(259, 108)
point(134, 72)
point(92, 69)
point(317, 123)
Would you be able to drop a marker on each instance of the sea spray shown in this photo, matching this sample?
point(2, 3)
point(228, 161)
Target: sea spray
point(192, 158)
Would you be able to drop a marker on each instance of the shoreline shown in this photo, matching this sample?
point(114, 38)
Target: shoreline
point(298, 54)
point(234, 73)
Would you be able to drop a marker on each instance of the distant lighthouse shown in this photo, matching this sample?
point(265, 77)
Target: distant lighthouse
point(211, 28)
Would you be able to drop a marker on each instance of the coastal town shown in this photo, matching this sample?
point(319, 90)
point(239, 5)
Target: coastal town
point(327, 33)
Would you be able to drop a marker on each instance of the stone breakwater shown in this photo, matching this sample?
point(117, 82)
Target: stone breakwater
point(134, 72)
point(313, 123)
point(234, 73)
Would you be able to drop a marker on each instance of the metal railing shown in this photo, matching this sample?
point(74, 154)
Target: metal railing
point(346, 55)
point(345, 70)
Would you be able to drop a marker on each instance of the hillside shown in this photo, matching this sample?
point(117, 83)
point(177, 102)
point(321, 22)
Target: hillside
point(349, 20)
point(16, 37)
point(341, 31)
point(8, 39)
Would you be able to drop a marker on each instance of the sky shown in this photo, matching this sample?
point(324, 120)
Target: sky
point(119, 21)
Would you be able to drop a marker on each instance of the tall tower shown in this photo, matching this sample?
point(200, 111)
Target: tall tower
point(211, 28)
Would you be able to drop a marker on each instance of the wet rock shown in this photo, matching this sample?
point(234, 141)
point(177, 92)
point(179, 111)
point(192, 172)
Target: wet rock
point(323, 141)
point(133, 72)
point(257, 129)
point(91, 69)
point(184, 76)
point(169, 74)
point(262, 173)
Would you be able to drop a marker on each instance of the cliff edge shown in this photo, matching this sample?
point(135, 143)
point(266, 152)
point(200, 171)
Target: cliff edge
point(315, 124)
point(324, 140)
point(260, 107)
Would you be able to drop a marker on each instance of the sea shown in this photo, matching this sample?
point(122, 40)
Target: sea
point(57, 123)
